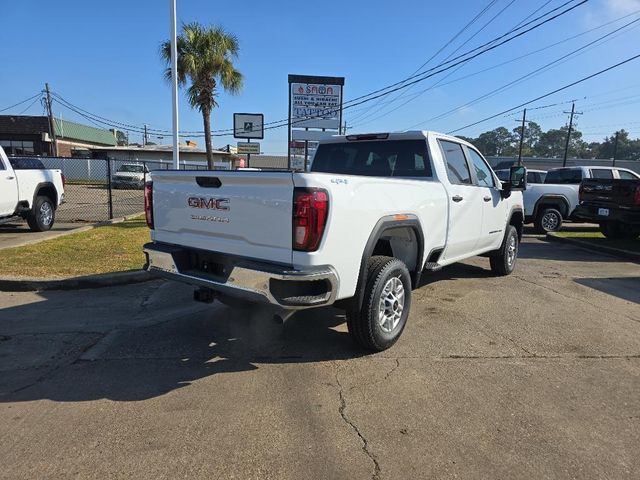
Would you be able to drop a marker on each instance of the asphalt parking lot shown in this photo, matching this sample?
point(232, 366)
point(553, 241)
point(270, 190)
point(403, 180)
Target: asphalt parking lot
point(536, 375)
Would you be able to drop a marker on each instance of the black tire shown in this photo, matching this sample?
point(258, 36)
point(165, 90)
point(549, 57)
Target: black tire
point(619, 231)
point(42, 215)
point(503, 261)
point(548, 220)
point(363, 324)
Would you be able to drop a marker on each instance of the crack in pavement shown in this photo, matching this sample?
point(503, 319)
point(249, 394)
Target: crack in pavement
point(365, 443)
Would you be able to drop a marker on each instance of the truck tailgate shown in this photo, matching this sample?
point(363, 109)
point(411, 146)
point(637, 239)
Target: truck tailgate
point(608, 191)
point(248, 214)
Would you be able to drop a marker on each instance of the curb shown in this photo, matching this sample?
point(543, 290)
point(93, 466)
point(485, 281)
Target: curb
point(75, 283)
point(616, 252)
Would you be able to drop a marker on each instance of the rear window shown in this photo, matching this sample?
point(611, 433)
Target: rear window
point(564, 175)
point(26, 163)
point(393, 158)
point(601, 173)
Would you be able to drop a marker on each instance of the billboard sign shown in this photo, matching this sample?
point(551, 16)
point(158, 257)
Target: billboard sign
point(315, 105)
point(248, 125)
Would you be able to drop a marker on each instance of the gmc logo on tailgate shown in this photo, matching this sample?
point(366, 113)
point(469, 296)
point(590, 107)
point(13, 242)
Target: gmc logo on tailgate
point(209, 203)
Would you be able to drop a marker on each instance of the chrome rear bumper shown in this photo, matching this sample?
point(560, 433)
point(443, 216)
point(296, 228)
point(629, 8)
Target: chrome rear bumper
point(254, 282)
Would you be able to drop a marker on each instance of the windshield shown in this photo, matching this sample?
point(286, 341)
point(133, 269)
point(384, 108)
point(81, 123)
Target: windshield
point(394, 158)
point(564, 175)
point(131, 168)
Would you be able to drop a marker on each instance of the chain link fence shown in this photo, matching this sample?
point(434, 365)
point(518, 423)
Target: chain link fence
point(98, 189)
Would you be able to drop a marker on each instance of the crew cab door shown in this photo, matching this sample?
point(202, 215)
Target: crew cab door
point(494, 208)
point(465, 203)
point(8, 188)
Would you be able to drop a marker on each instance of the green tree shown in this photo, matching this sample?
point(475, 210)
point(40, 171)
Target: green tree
point(552, 143)
point(496, 142)
point(628, 149)
point(532, 133)
point(205, 61)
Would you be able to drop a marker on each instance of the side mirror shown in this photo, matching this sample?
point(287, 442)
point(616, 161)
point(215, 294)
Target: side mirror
point(518, 178)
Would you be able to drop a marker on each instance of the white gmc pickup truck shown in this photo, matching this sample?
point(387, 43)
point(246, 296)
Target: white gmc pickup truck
point(29, 191)
point(357, 231)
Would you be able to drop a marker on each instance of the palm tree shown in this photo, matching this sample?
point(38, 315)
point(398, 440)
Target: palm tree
point(205, 60)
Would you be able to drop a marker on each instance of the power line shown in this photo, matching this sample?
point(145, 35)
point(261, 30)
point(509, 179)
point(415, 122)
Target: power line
point(488, 46)
point(439, 83)
point(525, 77)
point(402, 95)
point(402, 84)
point(451, 40)
point(35, 100)
point(548, 94)
point(39, 94)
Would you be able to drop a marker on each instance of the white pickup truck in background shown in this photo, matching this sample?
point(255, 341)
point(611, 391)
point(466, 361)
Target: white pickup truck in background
point(29, 191)
point(548, 204)
point(357, 231)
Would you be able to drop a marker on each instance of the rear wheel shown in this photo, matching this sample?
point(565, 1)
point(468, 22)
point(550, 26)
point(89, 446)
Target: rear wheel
point(619, 231)
point(379, 322)
point(42, 215)
point(503, 261)
point(548, 220)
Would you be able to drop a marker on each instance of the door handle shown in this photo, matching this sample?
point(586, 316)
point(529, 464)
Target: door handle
point(456, 198)
point(10, 178)
point(487, 199)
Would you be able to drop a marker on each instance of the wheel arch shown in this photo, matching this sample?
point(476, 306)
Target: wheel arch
point(516, 218)
point(45, 189)
point(378, 243)
point(560, 202)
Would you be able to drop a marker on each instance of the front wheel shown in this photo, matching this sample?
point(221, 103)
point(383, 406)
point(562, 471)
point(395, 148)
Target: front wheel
point(503, 260)
point(379, 322)
point(42, 215)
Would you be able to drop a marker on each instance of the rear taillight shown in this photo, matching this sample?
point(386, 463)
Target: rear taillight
point(148, 203)
point(580, 192)
point(310, 211)
point(636, 196)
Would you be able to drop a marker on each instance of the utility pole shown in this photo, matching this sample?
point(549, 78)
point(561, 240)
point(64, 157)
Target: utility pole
point(524, 116)
point(174, 85)
point(615, 149)
point(344, 128)
point(566, 146)
point(52, 130)
point(144, 138)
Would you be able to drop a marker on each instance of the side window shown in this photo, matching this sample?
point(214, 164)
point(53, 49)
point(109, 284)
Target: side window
point(601, 173)
point(532, 177)
point(483, 172)
point(457, 168)
point(624, 175)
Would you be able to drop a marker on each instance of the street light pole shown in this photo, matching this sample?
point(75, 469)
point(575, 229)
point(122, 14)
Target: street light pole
point(524, 117)
point(174, 85)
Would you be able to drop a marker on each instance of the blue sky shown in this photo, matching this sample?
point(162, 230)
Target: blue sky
point(103, 57)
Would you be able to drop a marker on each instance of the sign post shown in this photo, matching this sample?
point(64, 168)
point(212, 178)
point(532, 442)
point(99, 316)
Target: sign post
point(249, 126)
point(315, 110)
